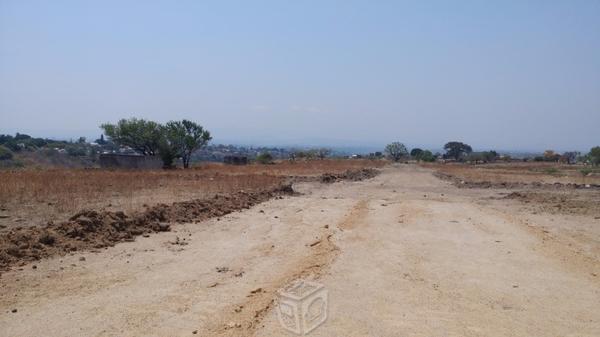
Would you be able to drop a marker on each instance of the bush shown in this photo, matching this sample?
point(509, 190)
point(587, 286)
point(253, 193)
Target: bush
point(427, 156)
point(416, 153)
point(264, 158)
point(75, 150)
point(5, 153)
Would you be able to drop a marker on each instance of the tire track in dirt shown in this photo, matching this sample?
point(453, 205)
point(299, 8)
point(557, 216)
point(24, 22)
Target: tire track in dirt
point(555, 246)
point(243, 319)
point(358, 212)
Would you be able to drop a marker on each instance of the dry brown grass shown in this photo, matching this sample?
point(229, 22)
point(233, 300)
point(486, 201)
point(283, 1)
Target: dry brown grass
point(548, 173)
point(30, 197)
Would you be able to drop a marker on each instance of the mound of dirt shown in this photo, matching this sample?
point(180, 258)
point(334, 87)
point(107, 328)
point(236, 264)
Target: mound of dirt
point(352, 175)
point(92, 229)
point(580, 202)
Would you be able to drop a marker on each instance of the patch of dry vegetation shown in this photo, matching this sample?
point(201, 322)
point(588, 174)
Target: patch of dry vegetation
point(31, 197)
point(209, 190)
point(542, 187)
point(519, 173)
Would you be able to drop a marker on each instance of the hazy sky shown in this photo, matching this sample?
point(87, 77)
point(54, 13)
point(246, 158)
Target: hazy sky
point(495, 74)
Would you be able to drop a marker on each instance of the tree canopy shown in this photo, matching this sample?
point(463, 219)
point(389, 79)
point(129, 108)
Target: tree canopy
point(141, 135)
point(416, 152)
point(175, 139)
point(396, 151)
point(457, 149)
point(182, 138)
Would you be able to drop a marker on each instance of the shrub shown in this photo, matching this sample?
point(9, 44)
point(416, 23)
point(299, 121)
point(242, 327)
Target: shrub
point(5, 153)
point(264, 158)
point(427, 156)
point(75, 150)
point(416, 153)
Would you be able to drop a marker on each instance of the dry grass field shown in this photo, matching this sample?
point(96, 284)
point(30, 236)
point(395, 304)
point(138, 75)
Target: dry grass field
point(542, 187)
point(526, 172)
point(31, 197)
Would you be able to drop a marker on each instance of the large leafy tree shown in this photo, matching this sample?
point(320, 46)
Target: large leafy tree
point(416, 152)
point(427, 156)
point(396, 151)
point(141, 135)
point(182, 138)
point(457, 149)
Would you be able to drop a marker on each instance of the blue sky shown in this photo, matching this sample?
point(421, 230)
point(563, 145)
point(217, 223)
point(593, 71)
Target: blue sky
point(512, 75)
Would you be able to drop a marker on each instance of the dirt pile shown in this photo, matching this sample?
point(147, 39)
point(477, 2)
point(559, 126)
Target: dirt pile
point(580, 202)
point(352, 175)
point(90, 229)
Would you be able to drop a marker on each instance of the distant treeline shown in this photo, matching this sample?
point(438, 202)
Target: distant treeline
point(461, 152)
point(189, 141)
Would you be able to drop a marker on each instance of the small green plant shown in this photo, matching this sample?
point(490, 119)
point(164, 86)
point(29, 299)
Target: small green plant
point(585, 171)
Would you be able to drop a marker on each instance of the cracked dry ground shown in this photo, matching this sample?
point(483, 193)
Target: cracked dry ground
point(402, 254)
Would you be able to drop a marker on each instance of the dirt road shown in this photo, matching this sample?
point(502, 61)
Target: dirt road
point(403, 254)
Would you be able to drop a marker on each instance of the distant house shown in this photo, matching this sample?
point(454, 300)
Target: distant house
point(235, 160)
point(129, 161)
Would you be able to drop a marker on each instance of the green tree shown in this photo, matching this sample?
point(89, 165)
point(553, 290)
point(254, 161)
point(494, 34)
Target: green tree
point(427, 156)
point(141, 135)
point(457, 149)
point(594, 155)
point(396, 151)
point(168, 152)
point(416, 153)
point(183, 138)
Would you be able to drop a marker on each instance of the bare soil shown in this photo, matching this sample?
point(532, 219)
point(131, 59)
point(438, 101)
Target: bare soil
point(572, 194)
point(91, 229)
point(401, 254)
